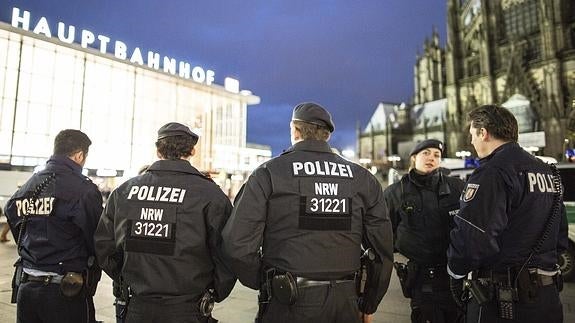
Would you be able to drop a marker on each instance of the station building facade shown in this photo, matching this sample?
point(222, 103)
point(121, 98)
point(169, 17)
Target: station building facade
point(116, 96)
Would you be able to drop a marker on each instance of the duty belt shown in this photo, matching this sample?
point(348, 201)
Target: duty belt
point(501, 277)
point(304, 282)
point(433, 272)
point(56, 279)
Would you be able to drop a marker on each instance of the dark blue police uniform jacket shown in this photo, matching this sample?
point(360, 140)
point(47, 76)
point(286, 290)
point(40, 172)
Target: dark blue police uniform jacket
point(310, 210)
point(161, 232)
point(504, 207)
point(59, 234)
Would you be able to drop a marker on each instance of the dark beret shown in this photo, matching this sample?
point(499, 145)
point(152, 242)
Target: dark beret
point(313, 113)
point(173, 129)
point(428, 143)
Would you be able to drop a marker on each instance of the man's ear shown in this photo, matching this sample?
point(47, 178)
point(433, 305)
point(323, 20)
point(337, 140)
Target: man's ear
point(193, 152)
point(484, 134)
point(79, 157)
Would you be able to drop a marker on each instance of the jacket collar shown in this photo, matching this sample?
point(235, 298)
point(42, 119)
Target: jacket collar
point(505, 146)
point(61, 160)
point(310, 145)
point(182, 166)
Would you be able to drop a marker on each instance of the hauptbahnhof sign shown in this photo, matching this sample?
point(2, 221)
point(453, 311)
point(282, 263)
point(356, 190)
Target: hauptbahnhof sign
point(68, 34)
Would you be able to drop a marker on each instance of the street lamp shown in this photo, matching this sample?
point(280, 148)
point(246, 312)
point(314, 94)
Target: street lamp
point(393, 159)
point(463, 154)
point(348, 153)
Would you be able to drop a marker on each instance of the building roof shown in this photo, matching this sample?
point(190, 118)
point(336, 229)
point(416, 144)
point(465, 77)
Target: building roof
point(433, 112)
point(385, 113)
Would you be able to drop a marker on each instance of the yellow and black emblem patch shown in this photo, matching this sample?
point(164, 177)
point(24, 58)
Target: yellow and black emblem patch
point(470, 192)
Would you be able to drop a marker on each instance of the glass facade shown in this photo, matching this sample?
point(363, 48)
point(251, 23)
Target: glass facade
point(47, 86)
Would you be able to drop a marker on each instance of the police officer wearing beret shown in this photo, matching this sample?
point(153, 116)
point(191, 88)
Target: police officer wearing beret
point(510, 227)
point(160, 232)
point(298, 226)
point(53, 217)
point(421, 206)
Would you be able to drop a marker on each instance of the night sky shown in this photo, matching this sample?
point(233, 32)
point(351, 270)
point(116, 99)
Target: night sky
point(346, 55)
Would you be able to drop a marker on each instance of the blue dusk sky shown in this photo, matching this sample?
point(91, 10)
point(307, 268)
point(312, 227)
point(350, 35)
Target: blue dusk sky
point(347, 55)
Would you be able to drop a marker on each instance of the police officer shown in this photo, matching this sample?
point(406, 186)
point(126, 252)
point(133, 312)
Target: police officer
point(310, 211)
point(53, 217)
point(510, 227)
point(160, 232)
point(421, 206)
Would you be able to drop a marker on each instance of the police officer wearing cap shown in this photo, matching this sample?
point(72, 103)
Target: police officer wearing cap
point(53, 217)
point(421, 206)
point(160, 232)
point(298, 226)
point(510, 228)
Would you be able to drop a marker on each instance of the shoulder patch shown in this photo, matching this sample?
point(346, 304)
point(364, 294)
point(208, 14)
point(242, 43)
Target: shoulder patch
point(470, 191)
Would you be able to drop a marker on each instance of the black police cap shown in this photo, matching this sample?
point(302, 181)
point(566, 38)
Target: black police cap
point(313, 113)
point(428, 143)
point(173, 129)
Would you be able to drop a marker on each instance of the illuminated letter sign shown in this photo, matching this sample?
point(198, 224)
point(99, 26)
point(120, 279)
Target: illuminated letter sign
point(67, 34)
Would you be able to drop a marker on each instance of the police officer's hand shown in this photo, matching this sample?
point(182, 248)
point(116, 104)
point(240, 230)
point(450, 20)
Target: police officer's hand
point(457, 291)
point(365, 318)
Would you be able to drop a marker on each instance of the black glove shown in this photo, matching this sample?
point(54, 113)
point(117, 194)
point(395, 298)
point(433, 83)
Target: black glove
point(457, 291)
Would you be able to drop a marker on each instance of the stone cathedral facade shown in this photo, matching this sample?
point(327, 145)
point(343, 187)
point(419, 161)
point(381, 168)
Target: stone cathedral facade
point(515, 53)
point(518, 53)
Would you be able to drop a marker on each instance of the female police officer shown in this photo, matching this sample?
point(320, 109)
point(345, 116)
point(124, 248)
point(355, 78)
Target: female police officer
point(421, 207)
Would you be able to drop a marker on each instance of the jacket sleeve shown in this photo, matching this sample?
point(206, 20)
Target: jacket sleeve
point(217, 214)
point(109, 257)
point(392, 205)
point(377, 234)
point(481, 219)
point(457, 186)
point(243, 233)
point(89, 215)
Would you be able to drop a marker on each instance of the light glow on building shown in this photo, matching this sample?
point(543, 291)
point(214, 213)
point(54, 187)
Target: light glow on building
point(48, 84)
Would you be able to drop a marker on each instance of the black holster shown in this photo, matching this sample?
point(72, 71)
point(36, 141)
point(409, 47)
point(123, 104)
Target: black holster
point(487, 290)
point(407, 274)
point(265, 294)
point(480, 289)
point(92, 277)
point(16, 280)
point(263, 302)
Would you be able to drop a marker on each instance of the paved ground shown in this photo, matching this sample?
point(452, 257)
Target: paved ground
point(240, 307)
